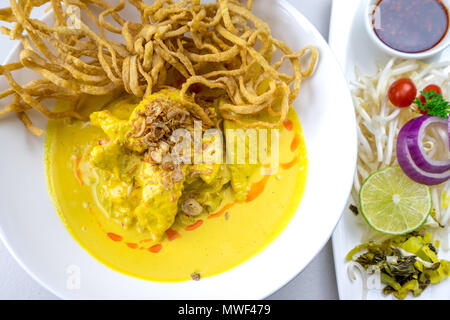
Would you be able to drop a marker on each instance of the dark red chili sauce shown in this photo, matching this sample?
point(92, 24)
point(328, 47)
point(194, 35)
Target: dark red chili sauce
point(411, 26)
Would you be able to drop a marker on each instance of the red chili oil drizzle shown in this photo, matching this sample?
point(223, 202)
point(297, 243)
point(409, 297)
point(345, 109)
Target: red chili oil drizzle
point(289, 165)
point(172, 234)
point(114, 237)
point(221, 211)
point(288, 124)
point(132, 245)
point(295, 142)
point(256, 189)
point(194, 226)
point(156, 248)
point(77, 171)
point(411, 26)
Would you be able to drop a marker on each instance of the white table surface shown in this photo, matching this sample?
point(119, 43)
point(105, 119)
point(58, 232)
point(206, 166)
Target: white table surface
point(317, 281)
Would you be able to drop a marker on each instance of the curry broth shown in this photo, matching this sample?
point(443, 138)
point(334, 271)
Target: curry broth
point(211, 246)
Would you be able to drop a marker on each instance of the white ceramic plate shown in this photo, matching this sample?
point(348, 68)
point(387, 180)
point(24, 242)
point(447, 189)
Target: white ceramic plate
point(34, 234)
point(352, 46)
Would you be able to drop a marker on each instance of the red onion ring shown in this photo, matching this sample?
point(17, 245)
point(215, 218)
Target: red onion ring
point(411, 169)
point(414, 140)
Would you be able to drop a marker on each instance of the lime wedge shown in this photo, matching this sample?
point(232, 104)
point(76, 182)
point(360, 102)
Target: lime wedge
point(394, 204)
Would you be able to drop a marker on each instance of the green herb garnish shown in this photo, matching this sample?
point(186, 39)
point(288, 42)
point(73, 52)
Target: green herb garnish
point(435, 104)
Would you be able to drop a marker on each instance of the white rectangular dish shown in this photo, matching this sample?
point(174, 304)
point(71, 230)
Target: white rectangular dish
point(351, 44)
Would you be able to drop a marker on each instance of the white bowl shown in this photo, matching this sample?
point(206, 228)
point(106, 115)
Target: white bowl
point(370, 6)
point(37, 238)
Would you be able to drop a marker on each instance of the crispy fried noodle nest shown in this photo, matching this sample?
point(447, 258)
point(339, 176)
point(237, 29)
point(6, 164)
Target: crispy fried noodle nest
point(222, 46)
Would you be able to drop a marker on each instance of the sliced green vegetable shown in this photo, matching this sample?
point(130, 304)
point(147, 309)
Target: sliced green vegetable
point(408, 263)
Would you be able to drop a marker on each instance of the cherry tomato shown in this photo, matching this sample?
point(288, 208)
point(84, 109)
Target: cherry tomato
point(402, 93)
point(431, 87)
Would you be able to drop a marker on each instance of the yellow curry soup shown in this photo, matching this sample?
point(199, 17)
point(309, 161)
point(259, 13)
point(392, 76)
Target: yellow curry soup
point(243, 210)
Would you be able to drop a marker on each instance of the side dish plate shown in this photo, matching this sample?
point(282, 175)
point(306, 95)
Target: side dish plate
point(351, 44)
